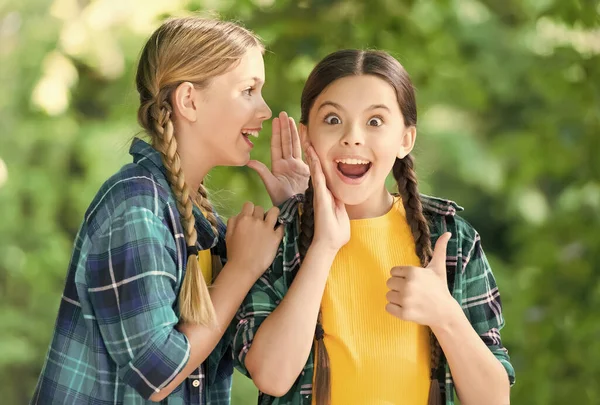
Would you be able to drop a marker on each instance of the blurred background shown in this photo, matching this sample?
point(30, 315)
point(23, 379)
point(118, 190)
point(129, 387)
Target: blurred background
point(509, 127)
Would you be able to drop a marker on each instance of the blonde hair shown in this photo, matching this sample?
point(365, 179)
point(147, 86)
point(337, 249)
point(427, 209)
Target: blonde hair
point(195, 50)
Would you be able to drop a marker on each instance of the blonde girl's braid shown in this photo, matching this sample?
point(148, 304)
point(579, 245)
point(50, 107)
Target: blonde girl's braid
point(194, 50)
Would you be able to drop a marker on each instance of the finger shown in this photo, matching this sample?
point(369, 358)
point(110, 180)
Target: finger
point(396, 284)
point(394, 297)
point(286, 136)
point(303, 136)
point(401, 271)
point(259, 212)
point(395, 310)
point(279, 233)
point(272, 216)
point(276, 152)
point(296, 148)
point(247, 209)
point(231, 222)
point(340, 207)
point(438, 260)
point(316, 173)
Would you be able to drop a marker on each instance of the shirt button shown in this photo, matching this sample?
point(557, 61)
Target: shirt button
point(196, 383)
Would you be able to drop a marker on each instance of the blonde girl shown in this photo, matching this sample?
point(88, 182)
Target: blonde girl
point(137, 323)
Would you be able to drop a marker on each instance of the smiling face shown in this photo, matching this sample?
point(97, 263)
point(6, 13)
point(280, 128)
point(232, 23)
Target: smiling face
point(358, 131)
point(231, 110)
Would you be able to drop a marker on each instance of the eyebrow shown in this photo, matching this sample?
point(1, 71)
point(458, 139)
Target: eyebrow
point(331, 103)
point(376, 106)
point(256, 79)
point(339, 107)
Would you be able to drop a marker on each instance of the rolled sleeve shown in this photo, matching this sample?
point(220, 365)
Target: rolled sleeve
point(132, 278)
point(482, 303)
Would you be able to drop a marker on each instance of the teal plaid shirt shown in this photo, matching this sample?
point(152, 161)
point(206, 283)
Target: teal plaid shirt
point(470, 280)
point(114, 339)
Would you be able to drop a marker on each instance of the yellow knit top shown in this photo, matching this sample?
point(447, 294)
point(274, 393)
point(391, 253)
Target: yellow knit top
point(375, 357)
point(205, 262)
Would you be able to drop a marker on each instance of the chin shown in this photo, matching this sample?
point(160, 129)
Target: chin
point(239, 160)
point(350, 195)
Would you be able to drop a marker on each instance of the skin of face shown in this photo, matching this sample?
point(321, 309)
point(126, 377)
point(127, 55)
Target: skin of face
point(356, 124)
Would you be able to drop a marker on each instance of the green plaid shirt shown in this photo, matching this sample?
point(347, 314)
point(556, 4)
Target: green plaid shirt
point(469, 278)
point(114, 339)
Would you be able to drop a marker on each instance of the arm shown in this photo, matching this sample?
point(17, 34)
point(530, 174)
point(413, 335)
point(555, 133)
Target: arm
point(283, 342)
point(131, 277)
point(471, 339)
point(284, 334)
point(226, 293)
point(421, 295)
point(247, 260)
point(479, 376)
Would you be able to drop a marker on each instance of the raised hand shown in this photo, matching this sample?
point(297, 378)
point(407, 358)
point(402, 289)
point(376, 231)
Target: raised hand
point(251, 239)
point(332, 225)
point(421, 294)
point(289, 174)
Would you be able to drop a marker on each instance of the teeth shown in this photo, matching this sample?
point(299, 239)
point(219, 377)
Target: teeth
point(353, 161)
point(250, 133)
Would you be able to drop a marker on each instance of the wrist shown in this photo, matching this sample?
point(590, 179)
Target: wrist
point(240, 274)
point(323, 250)
point(452, 315)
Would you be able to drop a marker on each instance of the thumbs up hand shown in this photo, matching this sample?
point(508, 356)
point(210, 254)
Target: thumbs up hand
point(419, 294)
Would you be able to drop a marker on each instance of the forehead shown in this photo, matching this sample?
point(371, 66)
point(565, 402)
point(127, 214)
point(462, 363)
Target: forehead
point(357, 93)
point(251, 65)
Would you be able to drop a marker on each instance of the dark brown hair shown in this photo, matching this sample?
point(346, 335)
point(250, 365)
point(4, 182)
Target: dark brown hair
point(380, 64)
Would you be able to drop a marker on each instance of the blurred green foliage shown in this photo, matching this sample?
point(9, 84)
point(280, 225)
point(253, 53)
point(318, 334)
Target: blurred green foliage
point(509, 96)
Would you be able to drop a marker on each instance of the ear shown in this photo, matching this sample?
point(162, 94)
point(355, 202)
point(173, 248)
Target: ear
point(407, 142)
point(184, 102)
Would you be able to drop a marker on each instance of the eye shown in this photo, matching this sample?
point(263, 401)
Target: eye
point(333, 119)
point(248, 91)
point(375, 122)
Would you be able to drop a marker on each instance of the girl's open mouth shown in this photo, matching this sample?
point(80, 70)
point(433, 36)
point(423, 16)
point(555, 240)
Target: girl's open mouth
point(352, 169)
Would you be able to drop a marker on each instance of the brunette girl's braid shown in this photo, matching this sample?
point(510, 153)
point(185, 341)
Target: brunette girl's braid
point(406, 179)
point(322, 373)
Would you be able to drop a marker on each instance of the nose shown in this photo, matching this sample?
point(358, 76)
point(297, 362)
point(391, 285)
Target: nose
point(352, 137)
point(264, 112)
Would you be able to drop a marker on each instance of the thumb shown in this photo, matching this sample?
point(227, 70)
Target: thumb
point(263, 171)
point(438, 261)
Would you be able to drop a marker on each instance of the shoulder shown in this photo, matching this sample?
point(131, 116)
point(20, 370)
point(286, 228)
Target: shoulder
point(443, 217)
point(132, 187)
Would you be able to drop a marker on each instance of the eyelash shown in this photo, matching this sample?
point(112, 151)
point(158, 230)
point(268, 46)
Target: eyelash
point(377, 117)
point(248, 91)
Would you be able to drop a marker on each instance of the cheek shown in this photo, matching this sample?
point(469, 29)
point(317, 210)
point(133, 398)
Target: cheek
point(386, 149)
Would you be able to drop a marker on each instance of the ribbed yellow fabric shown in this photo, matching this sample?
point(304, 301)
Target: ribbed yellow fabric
point(375, 358)
point(205, 263)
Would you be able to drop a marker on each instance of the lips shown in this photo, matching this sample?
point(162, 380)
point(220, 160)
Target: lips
point(247, 133)
point(353, 167)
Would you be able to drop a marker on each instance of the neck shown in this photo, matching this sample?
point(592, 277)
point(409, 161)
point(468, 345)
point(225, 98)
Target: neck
point(375, 206)
point(195, 162)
